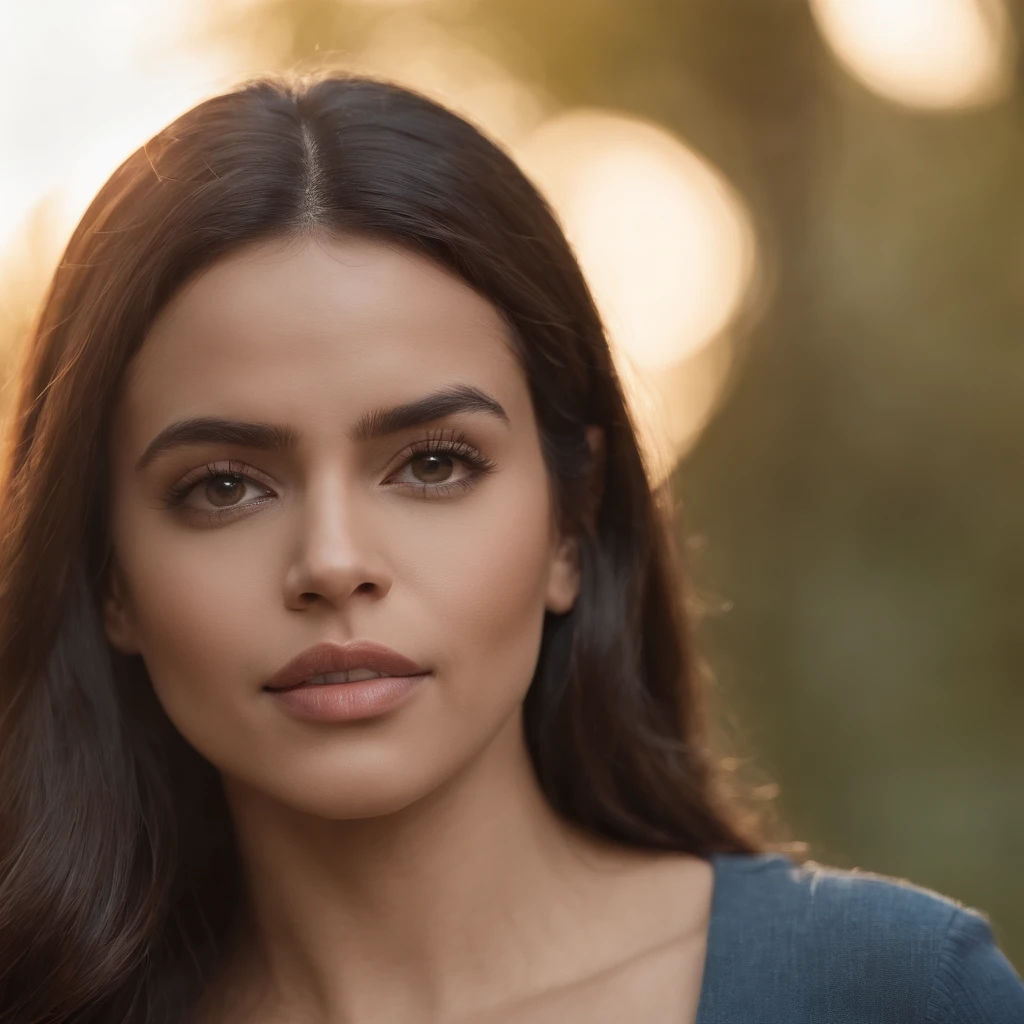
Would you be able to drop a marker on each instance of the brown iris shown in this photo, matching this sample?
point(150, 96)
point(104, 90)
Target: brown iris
point(225, 490)
point(438, 464)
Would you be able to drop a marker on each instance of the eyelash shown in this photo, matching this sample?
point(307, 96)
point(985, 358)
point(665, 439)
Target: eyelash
point(445, 442)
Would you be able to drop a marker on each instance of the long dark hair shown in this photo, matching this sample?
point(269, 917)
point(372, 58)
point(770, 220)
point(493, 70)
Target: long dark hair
point(119, 877)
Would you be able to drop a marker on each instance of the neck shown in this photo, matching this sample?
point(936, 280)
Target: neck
point(455, 903)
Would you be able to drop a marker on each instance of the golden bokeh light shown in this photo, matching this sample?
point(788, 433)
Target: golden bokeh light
point(392, 3)
point(668, 248)
point(415, 52)
point(672, 407)
point(923, 53)
point(82, 86)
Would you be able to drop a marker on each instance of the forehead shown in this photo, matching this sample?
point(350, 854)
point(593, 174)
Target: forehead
point(338, 323)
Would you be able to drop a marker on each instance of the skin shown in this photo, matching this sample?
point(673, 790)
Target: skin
point(405, 867)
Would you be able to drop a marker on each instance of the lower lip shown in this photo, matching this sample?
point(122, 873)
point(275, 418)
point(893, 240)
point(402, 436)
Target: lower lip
point(346, 702)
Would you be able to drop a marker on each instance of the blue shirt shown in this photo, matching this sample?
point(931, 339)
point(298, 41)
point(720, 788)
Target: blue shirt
point(809, 944)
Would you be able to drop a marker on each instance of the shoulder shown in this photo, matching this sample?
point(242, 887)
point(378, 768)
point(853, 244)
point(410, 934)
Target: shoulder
point(828, 942)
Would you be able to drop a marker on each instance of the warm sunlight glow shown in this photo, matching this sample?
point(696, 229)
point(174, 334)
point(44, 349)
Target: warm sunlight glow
point(413, 51)
point(665, 242)
point(81, 86)
point(673, 406)
point(668, 249)
point(923, 53)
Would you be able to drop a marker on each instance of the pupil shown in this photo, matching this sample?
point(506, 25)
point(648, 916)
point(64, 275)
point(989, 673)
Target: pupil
point(436, 459)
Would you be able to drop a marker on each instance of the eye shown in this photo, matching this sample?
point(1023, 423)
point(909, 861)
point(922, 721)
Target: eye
point(433, 468)
point(223, 487)
point(432, 461)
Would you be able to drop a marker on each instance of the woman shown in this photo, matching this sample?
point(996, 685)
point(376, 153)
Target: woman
point(344, 671)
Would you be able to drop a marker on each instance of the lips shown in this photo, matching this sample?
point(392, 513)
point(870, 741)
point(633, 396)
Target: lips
point(327, 657)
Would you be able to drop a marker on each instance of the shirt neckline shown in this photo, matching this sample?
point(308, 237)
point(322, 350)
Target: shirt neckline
point(705, 980)
point(723, 868)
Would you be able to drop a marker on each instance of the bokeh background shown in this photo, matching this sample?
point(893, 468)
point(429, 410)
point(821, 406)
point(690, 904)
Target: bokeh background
point(804, 222)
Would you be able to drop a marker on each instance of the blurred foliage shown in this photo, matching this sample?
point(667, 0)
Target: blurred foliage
point(855, 499)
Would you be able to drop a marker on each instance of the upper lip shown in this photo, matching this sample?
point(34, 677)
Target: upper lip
point(333, 657)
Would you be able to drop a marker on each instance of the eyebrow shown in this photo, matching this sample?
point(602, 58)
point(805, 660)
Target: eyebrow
point(375, 423)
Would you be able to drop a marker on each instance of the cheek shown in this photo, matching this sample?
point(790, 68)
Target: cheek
point(193, 612)
point(486, 590)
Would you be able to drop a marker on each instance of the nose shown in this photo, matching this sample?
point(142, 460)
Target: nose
point(337, 552)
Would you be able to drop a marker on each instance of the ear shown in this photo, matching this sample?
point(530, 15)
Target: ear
point(564, 577)
point(117, 620)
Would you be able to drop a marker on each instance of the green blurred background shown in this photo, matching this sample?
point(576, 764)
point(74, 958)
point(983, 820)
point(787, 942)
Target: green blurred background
point(841, 431)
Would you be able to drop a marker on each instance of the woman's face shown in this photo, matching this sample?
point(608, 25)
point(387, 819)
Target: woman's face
point(338, 536)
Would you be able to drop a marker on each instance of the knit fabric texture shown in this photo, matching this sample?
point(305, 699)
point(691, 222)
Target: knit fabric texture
point(812, 944)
